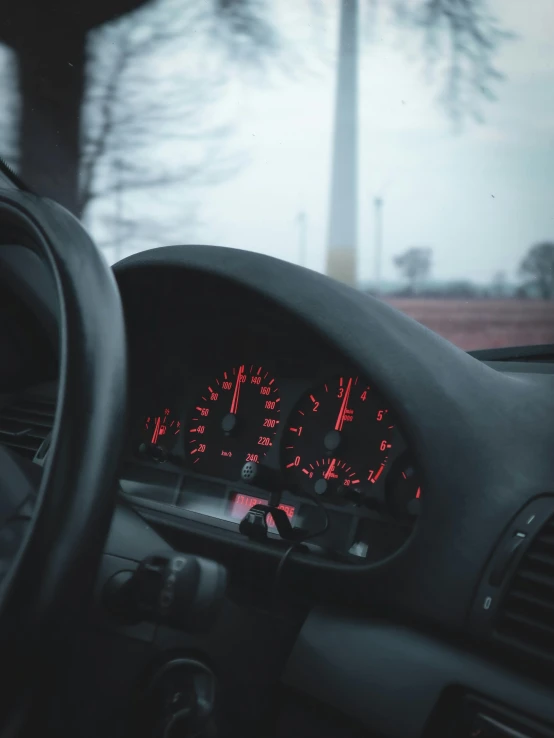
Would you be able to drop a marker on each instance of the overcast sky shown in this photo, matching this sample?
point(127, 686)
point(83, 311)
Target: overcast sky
point(479, 197)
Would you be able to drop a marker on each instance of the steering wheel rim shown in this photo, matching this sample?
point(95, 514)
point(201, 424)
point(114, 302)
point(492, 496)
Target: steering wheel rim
point(52, 574)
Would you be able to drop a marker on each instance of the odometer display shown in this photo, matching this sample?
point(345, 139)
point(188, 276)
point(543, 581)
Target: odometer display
point(241, 504)
point(234, 421)
point(338, 440)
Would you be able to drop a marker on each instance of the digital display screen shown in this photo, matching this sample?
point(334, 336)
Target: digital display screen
point(241, 504)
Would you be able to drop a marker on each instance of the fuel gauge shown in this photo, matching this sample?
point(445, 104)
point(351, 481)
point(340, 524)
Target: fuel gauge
point(159, 434)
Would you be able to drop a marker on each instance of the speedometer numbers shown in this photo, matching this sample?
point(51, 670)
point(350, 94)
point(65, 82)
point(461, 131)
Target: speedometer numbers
point(338, 441)
point(234, 421)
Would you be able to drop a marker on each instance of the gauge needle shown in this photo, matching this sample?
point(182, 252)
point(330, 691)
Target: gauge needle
point(156, 430)
point(235, 402)
point(342, 411)
point(330, 469)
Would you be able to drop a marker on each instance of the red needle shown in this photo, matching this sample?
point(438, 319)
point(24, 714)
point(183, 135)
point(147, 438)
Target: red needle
point(342, 411)
point(156, 429)
point(235, 402)
point(330, 469)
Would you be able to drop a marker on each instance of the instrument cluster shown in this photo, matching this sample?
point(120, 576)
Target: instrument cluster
point(334, 439)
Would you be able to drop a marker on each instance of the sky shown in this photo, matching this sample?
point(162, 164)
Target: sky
point(478, 195)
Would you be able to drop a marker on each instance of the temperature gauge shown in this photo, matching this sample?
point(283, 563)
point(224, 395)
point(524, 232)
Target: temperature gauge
point(403, 489)
point(160, 434)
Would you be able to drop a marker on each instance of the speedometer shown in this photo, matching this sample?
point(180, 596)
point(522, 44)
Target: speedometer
point(234, 421)
point(338, 440)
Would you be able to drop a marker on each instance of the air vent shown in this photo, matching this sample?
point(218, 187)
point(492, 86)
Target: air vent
point(525, 619)
point(26, 423)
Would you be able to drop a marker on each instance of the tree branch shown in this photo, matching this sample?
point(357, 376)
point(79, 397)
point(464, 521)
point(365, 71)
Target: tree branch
point(473, 37)
point(133, 111)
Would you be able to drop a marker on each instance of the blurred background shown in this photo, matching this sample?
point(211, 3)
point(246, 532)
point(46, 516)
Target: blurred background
point(403, 146)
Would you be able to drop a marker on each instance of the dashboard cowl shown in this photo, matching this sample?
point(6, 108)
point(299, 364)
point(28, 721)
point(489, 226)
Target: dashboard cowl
point(477, 435)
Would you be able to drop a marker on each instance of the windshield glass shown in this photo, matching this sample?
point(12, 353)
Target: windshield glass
point(402, 146)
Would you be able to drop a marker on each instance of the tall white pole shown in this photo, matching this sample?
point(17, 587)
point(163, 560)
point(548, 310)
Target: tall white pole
point(343, 213)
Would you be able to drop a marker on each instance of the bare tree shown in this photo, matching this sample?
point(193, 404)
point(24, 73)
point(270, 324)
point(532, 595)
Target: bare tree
point(52, 66)
point(461, 37)
point(244, 29)
point(538, 268)
point(147, 129)
point(415, 266)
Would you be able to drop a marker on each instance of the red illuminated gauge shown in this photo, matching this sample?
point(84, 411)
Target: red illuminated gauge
point(160, 431)
point(404, 489)
point(234, 421)
point(338, 440)
point(331, 475)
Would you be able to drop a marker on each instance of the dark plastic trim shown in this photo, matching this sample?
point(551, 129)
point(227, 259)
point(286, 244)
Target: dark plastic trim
point(391, 678)
point(516, 353)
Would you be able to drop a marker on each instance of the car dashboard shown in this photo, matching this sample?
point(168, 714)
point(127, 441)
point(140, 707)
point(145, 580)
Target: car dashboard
point(243, 403)
point(404, 576)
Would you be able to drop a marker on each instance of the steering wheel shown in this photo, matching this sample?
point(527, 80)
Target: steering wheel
point(48, 576)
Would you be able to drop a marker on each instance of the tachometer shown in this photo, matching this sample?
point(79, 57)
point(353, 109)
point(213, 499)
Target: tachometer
point(234, 421)
point(338, 440)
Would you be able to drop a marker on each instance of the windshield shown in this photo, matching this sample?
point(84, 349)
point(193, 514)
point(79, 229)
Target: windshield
point(402, 146)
